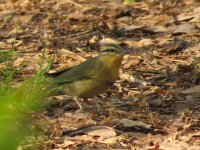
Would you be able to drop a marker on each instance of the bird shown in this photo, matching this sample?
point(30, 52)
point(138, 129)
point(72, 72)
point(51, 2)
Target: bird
point(92, 77)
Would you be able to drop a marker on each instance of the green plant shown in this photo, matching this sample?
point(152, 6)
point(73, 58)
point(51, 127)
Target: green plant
point(17, 105)
point(7, 72)
point(7, 18)
point(7, 57)
point(15, 108)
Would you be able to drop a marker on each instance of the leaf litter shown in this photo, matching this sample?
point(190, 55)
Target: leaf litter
point(162, 38)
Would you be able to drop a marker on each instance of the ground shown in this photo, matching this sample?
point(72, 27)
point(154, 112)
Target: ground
point(160, 110)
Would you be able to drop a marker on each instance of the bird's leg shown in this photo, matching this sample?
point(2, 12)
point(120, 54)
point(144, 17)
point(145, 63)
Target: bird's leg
point(76, 100)
point(78, 103)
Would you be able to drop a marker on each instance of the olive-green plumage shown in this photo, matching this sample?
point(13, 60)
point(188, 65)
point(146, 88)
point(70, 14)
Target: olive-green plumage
point(89, 78)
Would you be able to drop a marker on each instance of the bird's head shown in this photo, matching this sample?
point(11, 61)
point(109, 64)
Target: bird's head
point(112, 53)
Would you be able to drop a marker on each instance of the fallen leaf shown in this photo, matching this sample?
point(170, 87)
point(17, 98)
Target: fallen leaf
point(106, 41)
point(192, 90)
point(66, 143)
point(102, 131)
point(109, 140)
point(137, 124)
point(77, 115)
point(186, 28)
point(178, 145)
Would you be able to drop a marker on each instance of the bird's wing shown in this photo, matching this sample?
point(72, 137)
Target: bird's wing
point(86, 70)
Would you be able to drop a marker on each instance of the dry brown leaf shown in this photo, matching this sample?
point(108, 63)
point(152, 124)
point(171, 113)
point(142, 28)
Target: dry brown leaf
point(106, 41)
point(102, 131)
point(4, 45)
point(192, 90)
point(178, 145)
point(73, 55)
point(135, 124)
point(19, 61)
point(146, 42)
point(76, 115)
point(186, 28)
point(65, 144)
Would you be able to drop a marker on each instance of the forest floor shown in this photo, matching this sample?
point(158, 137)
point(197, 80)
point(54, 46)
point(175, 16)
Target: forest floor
point(160, 110)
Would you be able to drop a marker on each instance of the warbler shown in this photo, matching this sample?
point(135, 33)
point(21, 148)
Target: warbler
point(92, 77)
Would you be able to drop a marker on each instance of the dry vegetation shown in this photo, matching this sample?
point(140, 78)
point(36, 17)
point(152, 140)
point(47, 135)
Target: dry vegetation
point(163, 41)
